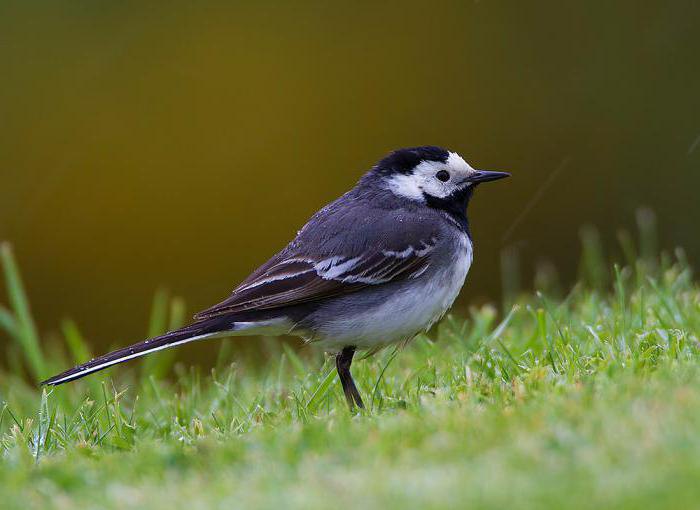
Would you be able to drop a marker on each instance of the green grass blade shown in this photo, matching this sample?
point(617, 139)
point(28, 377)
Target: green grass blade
point(158, 320)
point(78, 347)
point(8, 322)
point(320, 390)
point(158, 364)
point(27, 336)
point(381, 375)
point(295, 360)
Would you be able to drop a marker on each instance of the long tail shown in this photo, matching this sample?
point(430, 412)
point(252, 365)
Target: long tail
point(218, 326)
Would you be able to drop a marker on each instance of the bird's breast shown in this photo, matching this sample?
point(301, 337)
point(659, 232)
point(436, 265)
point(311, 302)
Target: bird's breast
point(451, 275)
point(397, 312)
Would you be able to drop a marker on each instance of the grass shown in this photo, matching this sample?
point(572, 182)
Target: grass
point(587, 400)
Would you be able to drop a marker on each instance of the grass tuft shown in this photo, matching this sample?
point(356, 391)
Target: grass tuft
point(19, 322)
point(580, 401)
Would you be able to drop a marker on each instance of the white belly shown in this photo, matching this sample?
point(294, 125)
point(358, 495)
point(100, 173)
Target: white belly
point(405, 313)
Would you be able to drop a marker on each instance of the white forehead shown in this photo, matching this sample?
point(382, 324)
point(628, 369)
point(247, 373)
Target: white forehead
point(423, 178)
point(454, 164)
point(455, 161)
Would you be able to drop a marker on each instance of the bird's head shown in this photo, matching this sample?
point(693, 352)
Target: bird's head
point(431, 175)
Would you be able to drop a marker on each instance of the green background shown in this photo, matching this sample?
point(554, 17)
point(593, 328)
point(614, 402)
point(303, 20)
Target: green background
point(182, 143)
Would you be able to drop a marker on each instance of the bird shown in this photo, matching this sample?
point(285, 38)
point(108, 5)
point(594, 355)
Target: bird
point(376, 267)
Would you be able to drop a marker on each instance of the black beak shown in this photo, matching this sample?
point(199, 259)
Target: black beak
point(486, 176)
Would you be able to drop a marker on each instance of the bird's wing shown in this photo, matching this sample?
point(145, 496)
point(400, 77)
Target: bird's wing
point(295, 280)
point(298, 276)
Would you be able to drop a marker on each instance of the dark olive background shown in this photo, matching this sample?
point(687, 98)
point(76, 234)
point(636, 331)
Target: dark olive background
point(179, 144)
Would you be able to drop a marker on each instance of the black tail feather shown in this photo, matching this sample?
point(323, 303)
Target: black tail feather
point(218, 326)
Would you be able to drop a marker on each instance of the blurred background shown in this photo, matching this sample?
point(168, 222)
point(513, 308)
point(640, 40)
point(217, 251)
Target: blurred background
point(179, 144)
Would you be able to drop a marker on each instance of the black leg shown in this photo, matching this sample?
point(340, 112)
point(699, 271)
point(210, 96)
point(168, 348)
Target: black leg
point(343, 360)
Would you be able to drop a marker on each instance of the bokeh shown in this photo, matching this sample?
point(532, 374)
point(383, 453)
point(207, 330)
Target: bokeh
point(179, 144)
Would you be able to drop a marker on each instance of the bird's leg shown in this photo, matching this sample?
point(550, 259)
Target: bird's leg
point(343, 360)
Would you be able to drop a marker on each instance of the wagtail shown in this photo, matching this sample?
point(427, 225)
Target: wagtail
point(376, 267)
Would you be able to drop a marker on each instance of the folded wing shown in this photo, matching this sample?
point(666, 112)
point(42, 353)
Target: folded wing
point(292, 279)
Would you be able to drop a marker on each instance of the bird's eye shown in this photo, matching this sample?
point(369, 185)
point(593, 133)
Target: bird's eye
point(443, 175)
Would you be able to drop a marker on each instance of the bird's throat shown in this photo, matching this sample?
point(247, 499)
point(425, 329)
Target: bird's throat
point(455, 205)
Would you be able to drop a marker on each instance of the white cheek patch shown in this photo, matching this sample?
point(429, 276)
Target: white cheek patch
point(422, 179)
point(406, 186)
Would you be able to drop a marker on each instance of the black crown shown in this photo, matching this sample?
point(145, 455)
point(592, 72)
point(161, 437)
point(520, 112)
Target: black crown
point(404, 160)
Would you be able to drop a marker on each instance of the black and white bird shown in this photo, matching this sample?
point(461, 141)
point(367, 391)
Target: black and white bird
point(376, 267)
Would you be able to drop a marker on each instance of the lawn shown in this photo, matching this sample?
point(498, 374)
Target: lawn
point(586, 398)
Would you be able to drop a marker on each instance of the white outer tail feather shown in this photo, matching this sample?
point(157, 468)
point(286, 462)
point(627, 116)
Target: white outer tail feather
point(128, 357)
point(215, 328)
